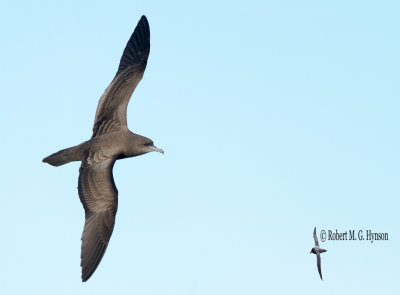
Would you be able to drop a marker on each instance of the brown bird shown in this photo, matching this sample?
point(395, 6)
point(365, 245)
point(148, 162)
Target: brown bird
point(111, 141)
point(317, 251)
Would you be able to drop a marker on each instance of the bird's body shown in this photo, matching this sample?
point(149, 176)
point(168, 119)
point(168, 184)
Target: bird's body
point(111, 140)
point(317, 251)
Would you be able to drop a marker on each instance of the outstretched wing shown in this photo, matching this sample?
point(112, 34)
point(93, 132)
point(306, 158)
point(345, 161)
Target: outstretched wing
point(319, 265)
point(315, 237)
point(99, 198)
point(111, 110)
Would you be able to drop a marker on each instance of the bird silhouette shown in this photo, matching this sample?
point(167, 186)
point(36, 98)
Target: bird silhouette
point(317, 251)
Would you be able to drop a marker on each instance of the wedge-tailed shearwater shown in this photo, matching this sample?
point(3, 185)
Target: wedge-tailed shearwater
point(111, 141)
point(317, 251)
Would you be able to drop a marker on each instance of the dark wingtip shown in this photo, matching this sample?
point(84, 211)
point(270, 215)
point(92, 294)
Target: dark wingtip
point(86, 275)
point(144, 20)
point(137, 49)
point(84, 280)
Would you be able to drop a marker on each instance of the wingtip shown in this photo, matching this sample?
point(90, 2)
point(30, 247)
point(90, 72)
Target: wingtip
point(137, 49)
point(144, 19)
point(86, 276)
point(84, 280)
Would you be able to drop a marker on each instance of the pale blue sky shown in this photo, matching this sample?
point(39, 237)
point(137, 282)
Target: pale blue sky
point(275, 117)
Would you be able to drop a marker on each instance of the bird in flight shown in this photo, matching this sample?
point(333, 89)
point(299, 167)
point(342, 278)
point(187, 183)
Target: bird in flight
point(317, 251)
point(111, 141)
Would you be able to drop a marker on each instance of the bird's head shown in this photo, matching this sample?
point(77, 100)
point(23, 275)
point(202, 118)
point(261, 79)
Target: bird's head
point(138, 145)
point(147, 146)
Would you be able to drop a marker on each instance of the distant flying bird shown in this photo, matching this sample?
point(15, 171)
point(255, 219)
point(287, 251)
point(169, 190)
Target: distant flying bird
point(317, 251)
point(111, 141)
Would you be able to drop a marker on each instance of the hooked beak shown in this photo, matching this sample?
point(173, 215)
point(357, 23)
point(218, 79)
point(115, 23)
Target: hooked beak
point(154, 149)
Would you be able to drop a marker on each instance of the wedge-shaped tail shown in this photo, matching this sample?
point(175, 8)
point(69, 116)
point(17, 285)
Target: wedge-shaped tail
point(65, 156)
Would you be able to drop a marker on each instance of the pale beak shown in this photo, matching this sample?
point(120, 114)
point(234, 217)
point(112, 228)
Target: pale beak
point(154, 149)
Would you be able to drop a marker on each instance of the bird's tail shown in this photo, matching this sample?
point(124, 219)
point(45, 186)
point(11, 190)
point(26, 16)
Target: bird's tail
point(65, 156)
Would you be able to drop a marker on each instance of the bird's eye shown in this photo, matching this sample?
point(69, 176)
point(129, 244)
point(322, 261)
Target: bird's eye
point(146, 144)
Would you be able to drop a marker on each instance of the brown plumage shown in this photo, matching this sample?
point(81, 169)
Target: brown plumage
point(111, 140)
point(317, 251)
